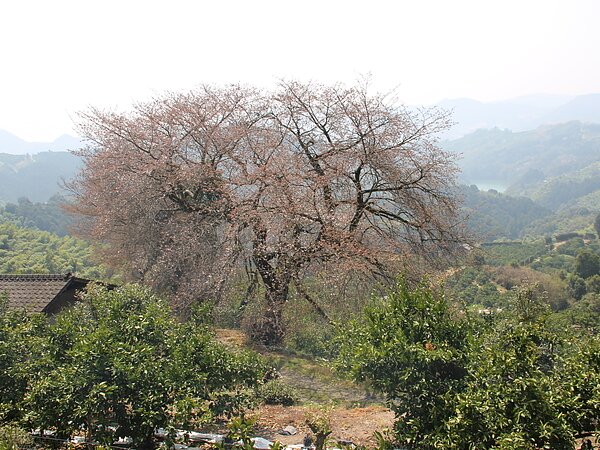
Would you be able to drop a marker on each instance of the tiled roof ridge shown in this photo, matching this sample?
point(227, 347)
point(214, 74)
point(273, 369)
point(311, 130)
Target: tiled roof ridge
point(35, 276)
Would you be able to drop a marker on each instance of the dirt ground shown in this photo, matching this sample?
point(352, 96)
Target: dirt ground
point(357, 414)
point(348, 424)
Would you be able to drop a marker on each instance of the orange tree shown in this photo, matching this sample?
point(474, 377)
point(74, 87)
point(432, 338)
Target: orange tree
point(18, 336)
point(460, 383)
point(120, 365)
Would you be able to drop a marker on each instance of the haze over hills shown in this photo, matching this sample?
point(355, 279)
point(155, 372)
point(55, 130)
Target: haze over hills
point(35, 170)
point(550, 177)
point(37, 177)
point(518, 114)
point(14, 145)
point(521, 113)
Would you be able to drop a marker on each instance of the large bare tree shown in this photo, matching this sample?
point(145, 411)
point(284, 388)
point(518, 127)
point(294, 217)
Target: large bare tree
point(188, 187)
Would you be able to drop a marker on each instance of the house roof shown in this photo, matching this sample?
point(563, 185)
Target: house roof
point(35, 293)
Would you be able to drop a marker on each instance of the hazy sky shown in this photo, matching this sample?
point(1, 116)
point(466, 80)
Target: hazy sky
point(59, 56)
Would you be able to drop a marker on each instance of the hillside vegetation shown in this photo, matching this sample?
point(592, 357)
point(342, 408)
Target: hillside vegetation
point(47, 216)
point(27, 250)
point(526, 158)
point(551, 176)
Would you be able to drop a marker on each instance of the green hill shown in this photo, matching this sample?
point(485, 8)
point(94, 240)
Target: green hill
point(567, 189)
point(551, 176)
point(493, 215)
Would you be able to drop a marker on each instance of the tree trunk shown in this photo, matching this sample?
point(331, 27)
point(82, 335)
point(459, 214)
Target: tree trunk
point(270, 329)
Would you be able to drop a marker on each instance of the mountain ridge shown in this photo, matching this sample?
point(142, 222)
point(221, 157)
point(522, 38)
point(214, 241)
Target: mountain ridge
point(35, 176)
point(14, 145)
point(519, 114)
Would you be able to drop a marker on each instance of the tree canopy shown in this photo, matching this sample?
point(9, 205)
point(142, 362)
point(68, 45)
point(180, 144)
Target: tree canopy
point(188, 187)
point(28, 250)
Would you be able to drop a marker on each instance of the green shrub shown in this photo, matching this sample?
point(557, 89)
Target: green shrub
point(18, 336)
point(120, 364)
point(455, 382)
point(413, 348)
point(276, 392)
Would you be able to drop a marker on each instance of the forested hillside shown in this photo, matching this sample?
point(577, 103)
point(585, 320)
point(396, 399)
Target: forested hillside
point(550, 178)
point(492, 215)
point(45, 216)
point(574, 188)
point(27, 250)
point(34, 239)
point(525, 159)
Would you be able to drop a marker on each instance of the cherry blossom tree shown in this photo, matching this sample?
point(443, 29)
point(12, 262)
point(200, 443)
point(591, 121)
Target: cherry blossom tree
point(187, 188)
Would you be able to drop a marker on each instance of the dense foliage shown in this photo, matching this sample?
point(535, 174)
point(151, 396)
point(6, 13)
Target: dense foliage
point(412, 350)
point(460, 382)
point(506, 253)
point(18, 334)
point(117, 365)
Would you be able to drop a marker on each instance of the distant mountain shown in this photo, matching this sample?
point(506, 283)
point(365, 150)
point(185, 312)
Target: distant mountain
point(585, 108)
point(520, 114)
point(471, 115)
point(35, 176)
point(14, 145)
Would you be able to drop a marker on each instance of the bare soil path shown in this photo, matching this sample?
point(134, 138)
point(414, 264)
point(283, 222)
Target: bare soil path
point(348, 424)
point(356, 412)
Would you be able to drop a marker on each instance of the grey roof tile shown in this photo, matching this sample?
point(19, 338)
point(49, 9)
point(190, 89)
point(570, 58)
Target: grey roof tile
point(32, 293)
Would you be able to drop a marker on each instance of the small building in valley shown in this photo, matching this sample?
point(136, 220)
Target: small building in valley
point(46, 294)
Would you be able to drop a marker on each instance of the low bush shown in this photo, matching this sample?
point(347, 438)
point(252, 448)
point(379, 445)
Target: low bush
point(277, 392)
point(120, 364)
